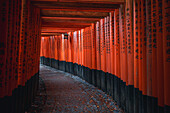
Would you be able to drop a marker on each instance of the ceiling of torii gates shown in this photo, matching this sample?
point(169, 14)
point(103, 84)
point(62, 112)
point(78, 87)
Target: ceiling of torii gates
point(60, 16)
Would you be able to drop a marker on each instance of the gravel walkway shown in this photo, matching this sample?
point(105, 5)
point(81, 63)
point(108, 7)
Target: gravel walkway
point(61, 92)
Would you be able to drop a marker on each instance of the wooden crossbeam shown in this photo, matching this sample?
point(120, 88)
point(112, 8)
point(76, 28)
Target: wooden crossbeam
point(68, 21)
point(87, 1)
point(74, 5)
point(76, 14)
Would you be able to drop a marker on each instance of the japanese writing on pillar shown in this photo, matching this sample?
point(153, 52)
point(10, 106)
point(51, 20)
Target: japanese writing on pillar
point(129, 31)
point(123, 29)
point(149, 30)
point(154, 22)
point(136, 29)
point(167, 28)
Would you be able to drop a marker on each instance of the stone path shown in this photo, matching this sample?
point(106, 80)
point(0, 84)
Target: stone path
point(61, 92)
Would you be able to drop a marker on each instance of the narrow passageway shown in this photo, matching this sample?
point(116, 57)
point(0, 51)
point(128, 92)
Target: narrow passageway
point(93, 48)
point(61, 92)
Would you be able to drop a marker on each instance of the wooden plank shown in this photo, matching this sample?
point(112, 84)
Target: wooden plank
point(50, 34)
point(55, 28)
point(88, 1)
point(56, 13)
point(78, 9)
point(66, 5)
point(95, 1)
point(67, 24)
point(70, 18)
point(69, 21)
point(58, 31)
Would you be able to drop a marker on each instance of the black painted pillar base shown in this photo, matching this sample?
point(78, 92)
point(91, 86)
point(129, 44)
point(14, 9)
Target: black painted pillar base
point(167, 109)
point(117, 90)
point(142, 103)
point(136, 100)
point(21, 97)
point(103, 81)
point(131, 98)
point(48, 61)
point(44, 61)
point(161, 109)
point(83, 72)
point(86, 74)
point(71, 68)
point(79, 71)
point(57, 64)
point(149, 104)
point(154, 105)
point(67, 67)
point(94, 77)
point(53, 63)
point(5, 104)
point(62, 65)
point(108, 83)
point(89, 74)
point(112, 85)
point(123, 94)
point(98, 75)
point(75, 66)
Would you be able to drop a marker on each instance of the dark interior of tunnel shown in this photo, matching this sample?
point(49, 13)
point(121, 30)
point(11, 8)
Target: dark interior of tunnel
point(120, 47)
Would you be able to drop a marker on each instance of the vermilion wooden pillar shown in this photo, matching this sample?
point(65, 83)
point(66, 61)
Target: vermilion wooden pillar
point(154, 57)
point(166, 52)
point(160, 64)
point(130, 53)
point(112, 41)
point(117, 56)
point(3, 48)
point(98, 56)
point(103, 54)
point(149, 54)
point(123, 55)
point(94, 60)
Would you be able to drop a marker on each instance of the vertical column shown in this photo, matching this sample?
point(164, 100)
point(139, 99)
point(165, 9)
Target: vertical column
point(117, 56)
point(143, 45)
point(123, 55)
point(3, 45)
point(160, 63)
point(136, 42)
point(149, 54)
point(108, 55)
point(166, 52)
point(112, 51)
point(103, 54)
point(98, 54)
point(154, 57)
point(130, 53)
point(10, 49)
point(94, 60)
point(143, 58)
point(90, 54)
